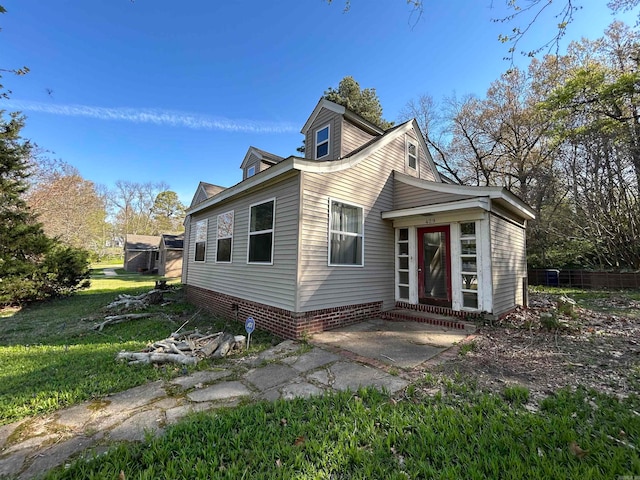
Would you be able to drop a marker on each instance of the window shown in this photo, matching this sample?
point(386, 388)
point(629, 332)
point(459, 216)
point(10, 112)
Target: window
point(346, 227)
point(251, 171)
point(402, 263)
point(261, 220)
point(322, 142)
point(225, 237)
point(201, 240)
point(469, 265)
point(412, 155)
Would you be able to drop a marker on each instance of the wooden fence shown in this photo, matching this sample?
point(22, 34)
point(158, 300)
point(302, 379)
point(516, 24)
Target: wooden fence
point(584, 279)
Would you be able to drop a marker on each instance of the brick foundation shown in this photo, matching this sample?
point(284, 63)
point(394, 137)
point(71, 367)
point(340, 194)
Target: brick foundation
point(441, 310)
point(284, 323)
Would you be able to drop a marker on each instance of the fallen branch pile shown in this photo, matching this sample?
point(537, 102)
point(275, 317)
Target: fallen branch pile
point(126, 302)
point(187, 348)
point(110, 320)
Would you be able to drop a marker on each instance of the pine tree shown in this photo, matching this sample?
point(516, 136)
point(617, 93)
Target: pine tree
point(32, 266)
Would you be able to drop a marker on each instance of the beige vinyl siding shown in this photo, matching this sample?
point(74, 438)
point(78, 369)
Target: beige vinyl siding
point(253, 161)
point(426, 172)
point(334, 120)
point(407, 196)
point(200, 196)
point(352, 138)
point(509, 263)
point(370, 185)
point(268, 284)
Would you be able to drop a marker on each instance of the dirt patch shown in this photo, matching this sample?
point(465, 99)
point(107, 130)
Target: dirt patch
point(593, 348)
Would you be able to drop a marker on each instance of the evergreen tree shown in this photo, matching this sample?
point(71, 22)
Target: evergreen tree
point(32, 266)
point(364, 102)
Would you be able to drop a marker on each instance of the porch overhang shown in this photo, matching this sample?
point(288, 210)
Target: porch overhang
point(483, 203)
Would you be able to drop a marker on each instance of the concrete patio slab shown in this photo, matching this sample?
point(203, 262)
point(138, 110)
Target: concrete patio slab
point(203, 377)
point(271, 376)
point(220, 391)
point(351, 376)
point(310, 360)
point(401, 344)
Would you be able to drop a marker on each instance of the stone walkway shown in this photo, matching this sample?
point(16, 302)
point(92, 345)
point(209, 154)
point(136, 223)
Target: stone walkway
point(109, 272)
point(32, 446)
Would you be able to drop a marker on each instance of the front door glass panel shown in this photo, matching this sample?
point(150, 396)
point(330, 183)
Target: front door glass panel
point(434, 266)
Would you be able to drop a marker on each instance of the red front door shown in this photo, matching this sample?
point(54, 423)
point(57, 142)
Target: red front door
point(434, 266)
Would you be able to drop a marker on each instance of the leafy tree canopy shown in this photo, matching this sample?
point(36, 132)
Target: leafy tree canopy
point(364, 102)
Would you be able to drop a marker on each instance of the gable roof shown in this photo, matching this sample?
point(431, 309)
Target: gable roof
point(141, 242)
point(318, 166)
point(205, 190)
point(210, 189)
point(174, 242)
point(262, 155)
point(348, 114)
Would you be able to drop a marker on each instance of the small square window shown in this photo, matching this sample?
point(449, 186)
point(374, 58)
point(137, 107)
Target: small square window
point(251, 171)
point(322, 142)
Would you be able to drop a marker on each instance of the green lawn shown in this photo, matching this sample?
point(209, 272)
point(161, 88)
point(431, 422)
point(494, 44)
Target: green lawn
point(461, 434)
point(50, 356)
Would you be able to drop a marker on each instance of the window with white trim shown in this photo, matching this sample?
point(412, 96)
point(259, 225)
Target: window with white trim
point(402, 264)
point(261, 222)
point(201, 240)
point(322, 142)
point(225, 237)
point(469, 265)
point(251, 171)
point(412, 154)
point(346, 234)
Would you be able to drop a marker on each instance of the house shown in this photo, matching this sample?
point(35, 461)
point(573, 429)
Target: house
point(362, 226)
point(141, 252)
point(170, 255)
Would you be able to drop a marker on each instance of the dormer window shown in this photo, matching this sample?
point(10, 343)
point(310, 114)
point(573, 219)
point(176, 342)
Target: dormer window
point(251, 171)
point(322, 142)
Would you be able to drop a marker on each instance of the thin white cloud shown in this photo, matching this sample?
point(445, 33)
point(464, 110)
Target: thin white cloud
point(155, 116)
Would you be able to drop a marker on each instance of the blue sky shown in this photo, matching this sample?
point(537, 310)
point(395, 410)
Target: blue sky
point(152, 90)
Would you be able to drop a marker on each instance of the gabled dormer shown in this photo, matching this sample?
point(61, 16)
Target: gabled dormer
point(256, 160)
point(332, 132)
point(205, 190)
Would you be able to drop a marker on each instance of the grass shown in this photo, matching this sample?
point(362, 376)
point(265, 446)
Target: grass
point(50, 356)
point(368, 435)
point(596, 299)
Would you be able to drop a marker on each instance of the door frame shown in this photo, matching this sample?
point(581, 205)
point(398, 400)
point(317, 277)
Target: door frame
point(446, 229)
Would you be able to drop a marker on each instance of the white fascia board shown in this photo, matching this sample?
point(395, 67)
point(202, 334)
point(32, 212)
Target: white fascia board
point(272, 172)
point(348, 162)
point(303, 165)
point(323, 103)
point(425, 149)
point(481, 202)
point(495, 193)
point(248, 155)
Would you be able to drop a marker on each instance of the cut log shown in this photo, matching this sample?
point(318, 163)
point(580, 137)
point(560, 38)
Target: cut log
point(119, 319)
point(226, 342)
point(153, 357)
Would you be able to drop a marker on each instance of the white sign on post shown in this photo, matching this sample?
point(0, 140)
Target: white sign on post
point(249, 326)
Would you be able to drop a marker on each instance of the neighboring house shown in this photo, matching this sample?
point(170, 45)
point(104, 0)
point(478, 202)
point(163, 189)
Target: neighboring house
point(362, 226)
point(170, 255)
point(141, 253)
